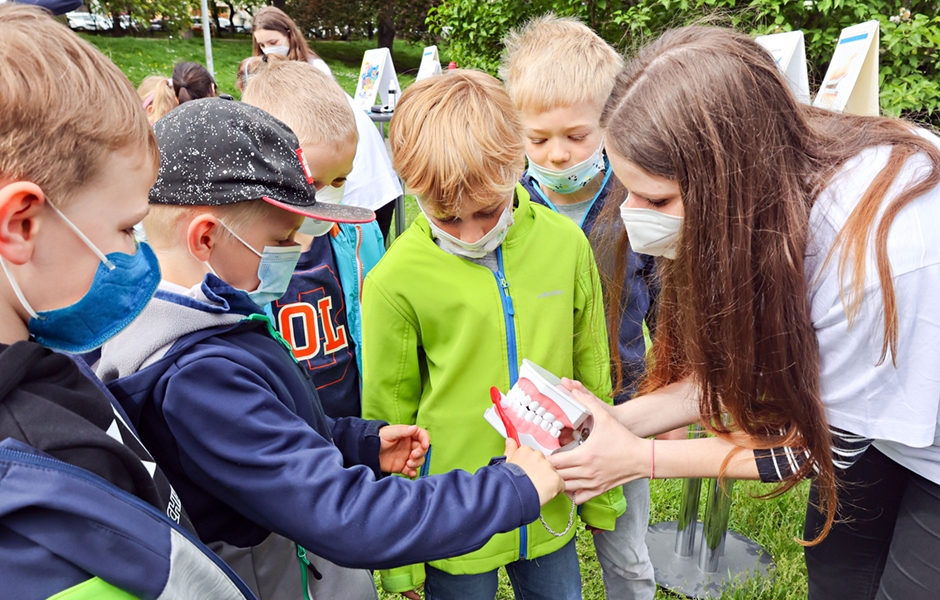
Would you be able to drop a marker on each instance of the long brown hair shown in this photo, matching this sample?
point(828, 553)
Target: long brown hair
point(709, 109)
point(273, 18)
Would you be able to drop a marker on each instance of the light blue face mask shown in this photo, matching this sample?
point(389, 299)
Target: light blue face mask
point(274, 271)
point(121, 288)
point(572, 179)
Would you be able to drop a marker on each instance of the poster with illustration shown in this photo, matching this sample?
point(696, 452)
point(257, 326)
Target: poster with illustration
point(851, 82)
point(377, 80)
point(430, 63)
point(789, 52)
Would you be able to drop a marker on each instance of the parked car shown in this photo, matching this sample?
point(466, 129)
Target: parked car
point(224, 23)
point(83, 21)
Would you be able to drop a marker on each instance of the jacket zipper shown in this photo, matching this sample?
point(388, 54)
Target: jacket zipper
point(509, 314)
point(87, 476)
point(359, 262)
point(426, 467)
point(304, 565)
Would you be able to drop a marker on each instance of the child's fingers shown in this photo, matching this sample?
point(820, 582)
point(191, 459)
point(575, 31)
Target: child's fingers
point(511, 447)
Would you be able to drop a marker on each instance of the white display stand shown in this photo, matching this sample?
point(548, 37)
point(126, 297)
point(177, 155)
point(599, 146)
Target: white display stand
point(851, 83)
point(430, 63)
point(789, 52)
point(376, 77)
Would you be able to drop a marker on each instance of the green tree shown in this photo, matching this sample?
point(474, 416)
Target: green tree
point(910, 33)
point(345, 19)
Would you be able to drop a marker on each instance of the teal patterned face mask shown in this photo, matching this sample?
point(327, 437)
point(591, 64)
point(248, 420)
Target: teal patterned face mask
point(572, 179)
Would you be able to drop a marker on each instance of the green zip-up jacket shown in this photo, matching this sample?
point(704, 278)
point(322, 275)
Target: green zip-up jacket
point(440, 330)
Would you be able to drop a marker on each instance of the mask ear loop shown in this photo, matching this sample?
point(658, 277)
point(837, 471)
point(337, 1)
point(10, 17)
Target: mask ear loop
point(237, 237)
point(83, 237)
point(17, 290)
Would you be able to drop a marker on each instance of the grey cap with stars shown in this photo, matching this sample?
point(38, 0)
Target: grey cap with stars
point(215, 151)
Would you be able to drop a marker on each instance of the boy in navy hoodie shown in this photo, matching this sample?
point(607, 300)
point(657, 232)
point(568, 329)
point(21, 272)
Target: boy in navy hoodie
point(84, 511)
point(235, 421)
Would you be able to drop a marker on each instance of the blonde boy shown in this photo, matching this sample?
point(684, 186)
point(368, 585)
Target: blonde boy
point(559, 73)
point(84, 511)
point(470, 289)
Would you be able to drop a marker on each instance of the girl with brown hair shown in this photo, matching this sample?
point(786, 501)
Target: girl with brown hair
point(276, 33)
point(798, 319)
point(192, 81)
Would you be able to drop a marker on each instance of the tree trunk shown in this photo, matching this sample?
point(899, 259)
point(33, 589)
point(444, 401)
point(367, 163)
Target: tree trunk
point(387, 27)
point(279, 3)
point(370, 28)
point(214, 12)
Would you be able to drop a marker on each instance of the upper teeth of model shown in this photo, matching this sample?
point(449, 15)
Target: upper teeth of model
point(531, 411)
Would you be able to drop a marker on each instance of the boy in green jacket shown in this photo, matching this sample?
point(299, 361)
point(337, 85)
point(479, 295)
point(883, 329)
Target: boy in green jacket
point(482, 280)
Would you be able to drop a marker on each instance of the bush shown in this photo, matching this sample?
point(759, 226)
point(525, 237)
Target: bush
point(910, 37)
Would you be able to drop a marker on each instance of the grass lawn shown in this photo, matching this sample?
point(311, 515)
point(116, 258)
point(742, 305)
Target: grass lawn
point(140, 57)
point(774, 524)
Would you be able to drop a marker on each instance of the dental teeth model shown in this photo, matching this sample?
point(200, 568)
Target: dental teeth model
point(537, 410)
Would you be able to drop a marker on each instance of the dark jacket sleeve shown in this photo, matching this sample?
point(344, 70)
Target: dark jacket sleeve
point(239, 440)
point(358, 441)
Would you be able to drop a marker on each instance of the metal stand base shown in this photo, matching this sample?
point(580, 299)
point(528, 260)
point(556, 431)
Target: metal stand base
point(741, 560)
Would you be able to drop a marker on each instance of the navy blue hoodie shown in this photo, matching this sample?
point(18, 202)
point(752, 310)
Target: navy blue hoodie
point(237, 426)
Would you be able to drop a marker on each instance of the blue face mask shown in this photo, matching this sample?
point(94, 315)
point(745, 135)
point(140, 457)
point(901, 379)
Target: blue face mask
point(121, 288)
point(274, 271)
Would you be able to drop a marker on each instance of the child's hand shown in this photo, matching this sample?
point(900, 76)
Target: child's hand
point(414, 594)
point(546, 481)
point(402, 449)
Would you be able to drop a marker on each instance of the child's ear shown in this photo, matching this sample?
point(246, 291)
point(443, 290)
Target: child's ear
point(202, 236)
point(20, 207)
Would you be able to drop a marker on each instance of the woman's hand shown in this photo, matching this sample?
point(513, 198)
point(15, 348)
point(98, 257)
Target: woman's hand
point(610, 457)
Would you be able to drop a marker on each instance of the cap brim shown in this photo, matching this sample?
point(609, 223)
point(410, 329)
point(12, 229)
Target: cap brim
point(336, 213)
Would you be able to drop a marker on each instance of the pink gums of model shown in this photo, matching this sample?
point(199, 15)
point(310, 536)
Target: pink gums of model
point(538, 409)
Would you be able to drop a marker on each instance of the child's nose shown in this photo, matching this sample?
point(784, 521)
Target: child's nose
point(472, 232)
point(558, 155)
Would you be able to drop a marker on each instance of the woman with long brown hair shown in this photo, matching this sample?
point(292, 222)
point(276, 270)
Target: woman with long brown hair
point(799, 316)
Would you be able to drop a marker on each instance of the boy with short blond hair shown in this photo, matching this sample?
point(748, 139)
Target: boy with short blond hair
point(84, 511)
point(559, 74)
point(293, 500)
point(470, 289)
point(319, 316)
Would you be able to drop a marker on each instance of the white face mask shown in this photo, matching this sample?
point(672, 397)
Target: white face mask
point(480, 248)
point(328, 195)
point(572, 179)
point(651, 232)
point(282, 50)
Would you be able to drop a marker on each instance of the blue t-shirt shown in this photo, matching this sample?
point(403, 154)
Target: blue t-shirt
point(311, 317)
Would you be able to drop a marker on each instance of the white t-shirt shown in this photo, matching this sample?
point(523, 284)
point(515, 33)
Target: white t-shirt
point(899, 407)
point(321, 65)
point(372, 183)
